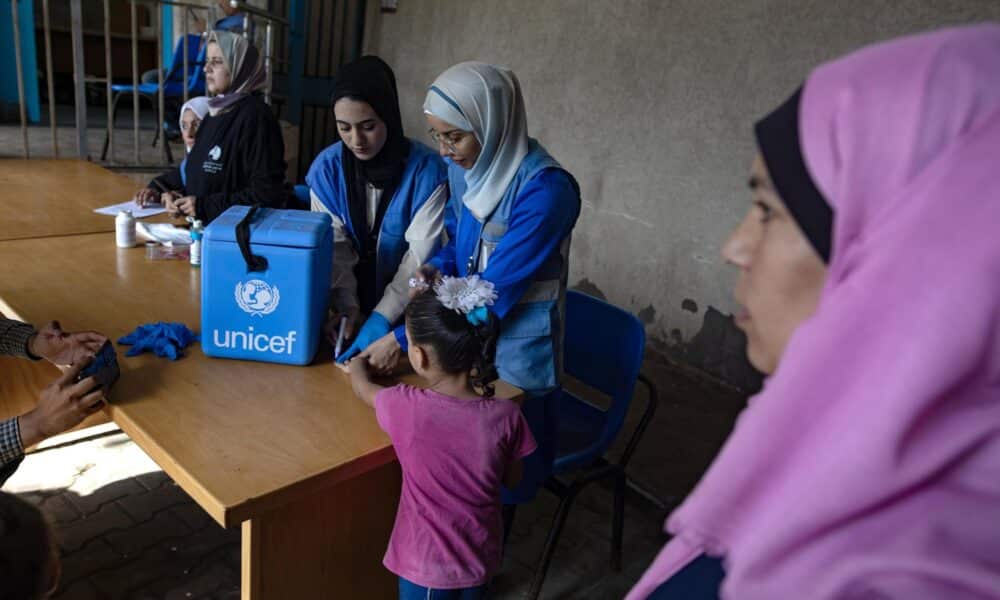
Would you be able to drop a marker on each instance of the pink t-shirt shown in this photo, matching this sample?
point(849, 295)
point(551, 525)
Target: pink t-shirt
point(453, 451)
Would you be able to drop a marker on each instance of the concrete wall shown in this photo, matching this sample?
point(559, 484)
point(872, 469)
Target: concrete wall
point(650, 105)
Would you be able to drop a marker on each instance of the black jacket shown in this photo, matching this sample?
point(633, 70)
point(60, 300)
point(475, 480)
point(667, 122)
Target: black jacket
point(237, 158)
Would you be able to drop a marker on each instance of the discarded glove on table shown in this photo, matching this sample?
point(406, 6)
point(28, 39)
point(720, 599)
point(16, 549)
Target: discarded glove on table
point(163, 339)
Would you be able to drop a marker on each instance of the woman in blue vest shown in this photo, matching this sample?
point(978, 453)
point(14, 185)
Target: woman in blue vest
point(386, 194)
point(511, 212)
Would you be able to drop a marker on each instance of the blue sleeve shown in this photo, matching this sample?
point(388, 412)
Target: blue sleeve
point(400, 333)
point(543, 214)
point(444, 260)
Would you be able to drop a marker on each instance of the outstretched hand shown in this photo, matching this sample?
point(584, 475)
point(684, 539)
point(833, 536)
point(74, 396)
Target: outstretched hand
point(63, 348)
point(383, 355)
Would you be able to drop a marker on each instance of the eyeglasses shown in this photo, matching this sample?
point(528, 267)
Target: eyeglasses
point(450, 139)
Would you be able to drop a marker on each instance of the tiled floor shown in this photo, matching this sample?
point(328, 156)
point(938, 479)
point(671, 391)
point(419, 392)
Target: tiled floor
point(127, 531)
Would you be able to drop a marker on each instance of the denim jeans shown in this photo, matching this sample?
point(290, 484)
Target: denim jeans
point(411, 591)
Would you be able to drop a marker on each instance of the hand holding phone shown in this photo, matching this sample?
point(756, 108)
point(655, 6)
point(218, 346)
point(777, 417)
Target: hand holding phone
point(104, 368)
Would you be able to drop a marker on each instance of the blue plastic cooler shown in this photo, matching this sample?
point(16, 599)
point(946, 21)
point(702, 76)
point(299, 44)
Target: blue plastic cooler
point(265, 283)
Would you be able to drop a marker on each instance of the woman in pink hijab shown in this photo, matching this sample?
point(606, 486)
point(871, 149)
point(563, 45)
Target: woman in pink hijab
point(869, 465)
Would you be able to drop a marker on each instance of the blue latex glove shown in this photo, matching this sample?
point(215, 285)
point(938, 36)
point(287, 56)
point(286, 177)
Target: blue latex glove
point(163, 339)
point(375, 327)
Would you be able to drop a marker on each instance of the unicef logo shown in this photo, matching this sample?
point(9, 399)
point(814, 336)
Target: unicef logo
point(257, 297)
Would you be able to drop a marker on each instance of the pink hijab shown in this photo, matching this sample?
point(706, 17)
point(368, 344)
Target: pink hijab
point(869, 466)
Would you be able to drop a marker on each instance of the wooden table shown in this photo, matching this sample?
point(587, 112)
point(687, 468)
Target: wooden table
point(42, 198)
point(45, 198)
point(288, 452)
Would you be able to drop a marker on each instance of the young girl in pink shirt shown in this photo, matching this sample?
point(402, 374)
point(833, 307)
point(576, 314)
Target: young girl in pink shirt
point(456, 444)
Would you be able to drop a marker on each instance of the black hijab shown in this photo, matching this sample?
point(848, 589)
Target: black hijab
point(369, 79)
point(778, 140)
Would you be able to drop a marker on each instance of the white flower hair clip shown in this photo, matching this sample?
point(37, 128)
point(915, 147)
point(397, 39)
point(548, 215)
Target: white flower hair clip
point(465, 294)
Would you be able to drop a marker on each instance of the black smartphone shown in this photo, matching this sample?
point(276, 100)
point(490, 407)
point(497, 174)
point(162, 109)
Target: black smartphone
point(104, 367)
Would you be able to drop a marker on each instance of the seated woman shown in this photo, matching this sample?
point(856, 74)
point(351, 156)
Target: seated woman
point(192, 113)
point(386, 194)
point(238, 155)
point(511, 212)
point(867, 466)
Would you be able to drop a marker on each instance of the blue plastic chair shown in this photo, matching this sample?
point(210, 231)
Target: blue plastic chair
point(604, 346)
point(173, 83)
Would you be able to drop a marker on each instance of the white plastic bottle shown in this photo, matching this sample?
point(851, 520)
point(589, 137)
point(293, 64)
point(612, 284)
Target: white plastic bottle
point(125, 229)
point(196, 232)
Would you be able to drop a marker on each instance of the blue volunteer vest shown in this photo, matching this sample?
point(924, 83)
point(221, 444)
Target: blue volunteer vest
point(424, 172)
point(529, 349)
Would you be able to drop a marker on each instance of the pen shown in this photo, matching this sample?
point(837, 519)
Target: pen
point(340, 338)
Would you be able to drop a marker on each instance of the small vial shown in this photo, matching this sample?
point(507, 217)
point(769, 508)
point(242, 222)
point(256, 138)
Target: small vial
point(196, 232)
point(125, 229)
point(151, 250)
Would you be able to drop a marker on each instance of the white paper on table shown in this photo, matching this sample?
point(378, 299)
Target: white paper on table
point(164, 233)
point(137, 211)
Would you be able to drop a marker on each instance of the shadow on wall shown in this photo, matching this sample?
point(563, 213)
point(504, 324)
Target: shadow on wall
point(718, 349)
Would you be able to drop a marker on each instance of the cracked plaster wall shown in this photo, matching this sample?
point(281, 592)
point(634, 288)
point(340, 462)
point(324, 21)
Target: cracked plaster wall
point(650, 104)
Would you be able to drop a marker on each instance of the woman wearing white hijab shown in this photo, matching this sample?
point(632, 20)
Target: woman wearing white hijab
point(511, 212)
point(192, 114)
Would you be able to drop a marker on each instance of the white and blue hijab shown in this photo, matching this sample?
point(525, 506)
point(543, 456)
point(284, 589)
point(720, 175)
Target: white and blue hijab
point(486, 100)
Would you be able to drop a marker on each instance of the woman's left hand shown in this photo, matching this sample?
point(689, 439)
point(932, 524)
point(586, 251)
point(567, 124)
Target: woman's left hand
point(186, 205)
point(383, 354)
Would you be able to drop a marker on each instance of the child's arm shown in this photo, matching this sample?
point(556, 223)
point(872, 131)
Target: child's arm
point(512, 474)
point(361, 381)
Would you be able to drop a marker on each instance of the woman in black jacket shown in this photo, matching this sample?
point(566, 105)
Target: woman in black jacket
point(238, 156)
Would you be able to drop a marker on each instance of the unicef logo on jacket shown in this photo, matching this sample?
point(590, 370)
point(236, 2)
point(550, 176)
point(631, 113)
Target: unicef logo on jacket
point(257, 297)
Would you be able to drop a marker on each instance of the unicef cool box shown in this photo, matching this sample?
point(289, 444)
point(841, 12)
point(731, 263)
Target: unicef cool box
point(265, 280)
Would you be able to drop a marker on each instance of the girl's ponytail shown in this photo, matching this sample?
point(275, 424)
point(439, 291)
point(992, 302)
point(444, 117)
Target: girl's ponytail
point(484, 371)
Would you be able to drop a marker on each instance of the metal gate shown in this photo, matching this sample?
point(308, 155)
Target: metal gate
point(305, 42)
point(331, 35)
